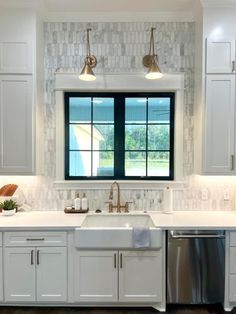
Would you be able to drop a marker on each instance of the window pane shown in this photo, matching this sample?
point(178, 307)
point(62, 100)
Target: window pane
point(80, 136)
point(135, 164)
point(158, 137)
point(80, 163)
point(103, 163)
point(159, 110)
point(103, 110)
point(158, 164)
point(80, 109)
point(135, 137)
point(135, 110)
point(103, 137)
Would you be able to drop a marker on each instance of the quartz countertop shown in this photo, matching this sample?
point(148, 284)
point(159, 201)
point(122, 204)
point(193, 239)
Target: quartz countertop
point(178, 220)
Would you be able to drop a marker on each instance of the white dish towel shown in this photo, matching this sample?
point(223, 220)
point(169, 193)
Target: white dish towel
point(141, 237)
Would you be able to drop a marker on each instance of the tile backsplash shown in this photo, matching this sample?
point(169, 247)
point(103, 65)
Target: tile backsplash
point(119, 47)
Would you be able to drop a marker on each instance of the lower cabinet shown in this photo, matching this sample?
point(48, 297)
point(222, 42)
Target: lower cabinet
point(35, 274)
point(125, 276)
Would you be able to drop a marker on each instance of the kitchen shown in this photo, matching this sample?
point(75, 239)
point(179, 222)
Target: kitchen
point(41, 60)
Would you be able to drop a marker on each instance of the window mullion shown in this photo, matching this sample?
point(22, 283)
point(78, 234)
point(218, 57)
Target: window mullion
point(119, 122)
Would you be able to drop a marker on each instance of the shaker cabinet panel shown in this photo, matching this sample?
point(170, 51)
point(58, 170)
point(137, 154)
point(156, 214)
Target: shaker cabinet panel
point(16, 125)
point(51, 274)
point(140, 276)
point(16, 57)
point(19, 274)
point(220, 56)
point(96, 276)
point(219, 125)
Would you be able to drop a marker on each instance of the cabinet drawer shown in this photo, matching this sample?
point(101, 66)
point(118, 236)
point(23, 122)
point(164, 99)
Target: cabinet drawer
point(232, 238)
point(35, 238)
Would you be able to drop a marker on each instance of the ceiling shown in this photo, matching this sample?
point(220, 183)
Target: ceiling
point(103, 5)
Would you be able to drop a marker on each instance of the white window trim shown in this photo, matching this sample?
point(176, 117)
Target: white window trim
point(115, 83)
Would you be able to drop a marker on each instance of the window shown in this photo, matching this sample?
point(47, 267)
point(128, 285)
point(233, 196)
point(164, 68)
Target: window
point(119, 136)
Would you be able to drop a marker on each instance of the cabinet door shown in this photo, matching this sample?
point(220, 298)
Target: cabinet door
point(1, 276)
point(220, 56)
point(51, 274)
point(16, 125)
point(19, 274)
point(96, 276)
point(140, 276)
point(219, 124)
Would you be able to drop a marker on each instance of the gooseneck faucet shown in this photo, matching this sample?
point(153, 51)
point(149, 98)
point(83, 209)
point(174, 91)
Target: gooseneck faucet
point(118, 206)
point(118, 195)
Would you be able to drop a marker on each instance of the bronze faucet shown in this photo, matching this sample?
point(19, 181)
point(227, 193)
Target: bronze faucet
point(118, 206)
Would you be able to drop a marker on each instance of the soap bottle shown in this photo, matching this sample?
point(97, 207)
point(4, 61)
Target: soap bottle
point(77, 202)
point(84, 202)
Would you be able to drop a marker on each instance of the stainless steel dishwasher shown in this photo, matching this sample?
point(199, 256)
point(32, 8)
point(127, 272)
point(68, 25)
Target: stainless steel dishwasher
point(195, 267)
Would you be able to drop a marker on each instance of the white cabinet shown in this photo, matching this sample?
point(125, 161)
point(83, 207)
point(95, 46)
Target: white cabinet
point(140, 276)
point(219, 146)
point(124, 276)
point(16, 125)
point(16, 57)
point(96, 276)
point(19, 274)
point(220, 56)
point(35, 273)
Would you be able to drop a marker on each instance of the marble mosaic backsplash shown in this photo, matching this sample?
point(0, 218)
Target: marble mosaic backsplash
point(40, 195)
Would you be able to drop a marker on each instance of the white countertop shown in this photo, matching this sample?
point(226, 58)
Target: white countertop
point(41, 220)
point(177, 220)
point(195, 220)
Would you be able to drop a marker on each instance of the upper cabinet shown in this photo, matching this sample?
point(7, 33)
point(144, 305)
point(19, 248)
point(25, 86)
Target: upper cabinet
point(17, 41)
point(21, 98)
point(218, 112)
point(15, 57)
point(16, 125)
point(219, 148)
point(220, 56)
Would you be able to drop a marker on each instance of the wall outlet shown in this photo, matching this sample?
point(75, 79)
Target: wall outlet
point(204, 194)
point(226, 195)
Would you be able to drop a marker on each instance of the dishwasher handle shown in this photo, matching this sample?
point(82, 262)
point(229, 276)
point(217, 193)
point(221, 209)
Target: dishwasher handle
point(173, 235)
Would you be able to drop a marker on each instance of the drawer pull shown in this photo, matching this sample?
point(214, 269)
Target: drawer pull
point(115, 260)
point(38, 257)
point(233, 66)
point(32, 257)
point(121, 261)
point(232, 162)
point(35, 239)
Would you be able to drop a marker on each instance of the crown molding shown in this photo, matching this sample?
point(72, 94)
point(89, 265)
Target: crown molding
point(118, 17)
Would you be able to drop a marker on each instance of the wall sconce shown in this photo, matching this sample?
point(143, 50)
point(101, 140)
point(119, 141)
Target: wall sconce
point(151, 61)
point(90, 62)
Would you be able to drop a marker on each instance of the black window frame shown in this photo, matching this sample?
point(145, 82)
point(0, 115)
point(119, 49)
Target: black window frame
point(119, 134)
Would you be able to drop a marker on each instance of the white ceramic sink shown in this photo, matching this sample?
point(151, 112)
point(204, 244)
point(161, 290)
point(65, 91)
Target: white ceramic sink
point(114, 231)
point(117, 221)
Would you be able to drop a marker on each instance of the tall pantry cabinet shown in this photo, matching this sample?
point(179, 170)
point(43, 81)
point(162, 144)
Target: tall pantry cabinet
point(17, 92)
point(219, 112)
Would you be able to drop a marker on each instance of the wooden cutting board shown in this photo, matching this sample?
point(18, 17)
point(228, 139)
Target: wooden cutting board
point(8, 189)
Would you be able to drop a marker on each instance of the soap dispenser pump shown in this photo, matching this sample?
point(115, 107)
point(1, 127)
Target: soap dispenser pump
point(77, 202)
point(84, 202)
